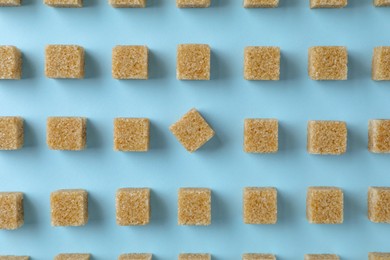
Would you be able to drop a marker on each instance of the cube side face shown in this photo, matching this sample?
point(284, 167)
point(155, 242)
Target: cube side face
point(321, 257)
point(11, 133)
point(252, 256)
point(381, 63)
point(193, 62)
point(10, 56)
point(11, 210)
point(325, 205)
point(128, 3)
point(66, 133)
point(260, 205)
point(326, 137)
point(135, 257)
point(64, 3)
point(261, 135)
point(130, 62)
point(64, 62)
point(193, 3)
point(379, 136)
point(262, 63)
point(72, 257)
point(381, 3)
point(328, 63)
point(328, 3)
point(131, 134)
point(194, 206)
point(379, 204)
point(194, 257)
point(261, 3)
point(69, 208)
point(378, 256)
point(133, 206)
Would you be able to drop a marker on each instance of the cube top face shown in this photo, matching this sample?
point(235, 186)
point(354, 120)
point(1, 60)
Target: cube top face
point(128, 3)
point(10, 56)
point(69, 207)
point(5, 3)
point(193, 3)
point(11, 133)
point(12, 257)
point(64, 62)
point(381, 3)
point(260, 205)
point(321, 257)
point(326, 137)
point(133, 206)
point(130, 62)
point(328, 3)
point(131, 134)
point(193, 62)
point(194, 206)
point(194, 257)
point(262, 63)
point(261, 3)
point(64, 3)
point(135, 257)
point(192, 130)
point(328, 63)
point(325, 205)
point(379, 136)
point(11, 210)
point(72, 257)
point(66, 133)
point(258, 257)
point(261, 135)
point(379, 204)
point(381, 62)
point(378, 256)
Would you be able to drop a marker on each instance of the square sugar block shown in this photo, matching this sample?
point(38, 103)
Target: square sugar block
point(194, 257)
point(379, 204)
point(130, 62)
point(193, 3)
point(378, 256)
point(381, 62)
point(69, 207)
point(328, 63)
point(128, 3)
point(262, 63)
point(261, 135)
point(260, 205)
point(64, 3)
point(258, 257)
point(135, 257)
point(11, 210)
point(6, 3)
point(133, 206)
point(379, 136)
point(73, 257)
point(381, 3)
point(321, 257)
point(64, 62)
point(261, 3)
point(66, 133)
point(328, 3)
point(13, 257)
point(131, 134)
point(11, 133)
point(326, 137)
point(10, 56)
point(325, 205)
point(193, 62)
point(194, 206)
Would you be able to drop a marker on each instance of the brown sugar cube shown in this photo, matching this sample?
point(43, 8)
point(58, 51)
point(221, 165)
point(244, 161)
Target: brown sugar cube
point(193, 62)
point(73, 257)
point(328, 63)
point(328, 4)
point(258, 257)
point(324, 205)
point(262, 63)
point(381, 62)
point(11, 133)
point(261, 3)
point(321, 257)
point(194, 257)
point(131, 134)
point(11, 210)
point(381, 3)
point(64, 3)
point(66, 133)
point(193, 3)
point(192, 130)
point(12, 257)
point(135, 257)
point(378, 256)
point(194, 206)
point(128, 3)
point(379, 136)
point(10, 56)
point(64, 62)
point(6, 3)
point(69, 207)
point(260, 205)
point(133, 206)
point(130, 62)
point(379, 204)
point(326, 137)
point(261, 135)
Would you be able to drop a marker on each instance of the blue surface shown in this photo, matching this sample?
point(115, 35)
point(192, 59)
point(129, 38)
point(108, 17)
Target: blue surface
point(224, 101)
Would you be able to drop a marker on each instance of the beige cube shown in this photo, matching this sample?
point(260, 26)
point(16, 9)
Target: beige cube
point(262, 63)
point(379, 204)
point(328, 3)
point(379, 136)
point(378, 256)
point(135, 257)
point(260, 205)
point(381, 62)
point(194, 257)
point(261, 3)
point(11, 210)
point(130, 62)
point(194, 206)
point(10, 56)
point(69, 207)
point(321, 257)
point(66, 133)
point(381, 3)
point(131, 134)
point(326, 137)
point(11, 133)
point(193, 3)
point(6, 3)
point(64, 62)
point(325, 205)
point(128, 3)
point(261, 135)
point(73, 257)
point(64, 3)
point(258, 257)
point(193, 62)
point(328, 63)
point(13, 257)
point(133, 206)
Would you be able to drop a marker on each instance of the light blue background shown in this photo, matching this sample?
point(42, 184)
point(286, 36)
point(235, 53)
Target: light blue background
point(224, 101)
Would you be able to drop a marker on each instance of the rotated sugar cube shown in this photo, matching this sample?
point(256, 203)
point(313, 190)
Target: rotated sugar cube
point(328, 63)
point(381, 3)
point(260, 205)
point(13, 257)
point(379, 204)
point(11, 133)
point(131, 134)
point(130, 62)
point(64, 3)
point(321, 257)
point(135, 257)
point(381, 62)
point(193, 3)
point(379, 136)
point(261, 135)
point(262, 63)
point(328, 3)
point(11, 210)
point(69, 207)
point(66, 133)
point(133, 206)
point(326, 137)
point(192, 130)
point(193, 62)
point(261, 3)
point(72, 257)
point(128, 3)
point(194, 206)
point(10, 56)
point(325, 205)
point(258, 257)
point(64, 62)
point(378, 256)
point(194, 257)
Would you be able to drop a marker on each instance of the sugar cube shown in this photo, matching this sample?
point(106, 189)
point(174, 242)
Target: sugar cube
point(328, 3)
point(135, 257)
point(381, 3)
point(262, 63)
point(64, 62)
point(326, 137)
point(13, 257)
point(325, 205)
point(378, 256)
point(194, 206)
point(379, 136)
point(328, 63)
point(64, 3)
point(66, 133)
point(261, 3)
point(131, 134)
point(379, 204)
point(381, 62)
point(130, 62)
point(193, 3)
point(193, 62)
point(128, 3)
point(261, 135)
point(260, 205)
point(72, 257)
point(321, 257)
point(194, 257)
point(10, 56)
point(258, 257)
point(11, 210)
point(11, 133)
point(133, 206)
